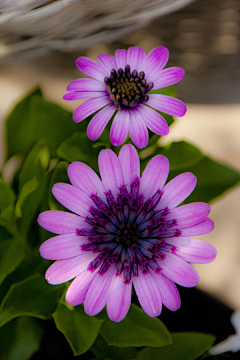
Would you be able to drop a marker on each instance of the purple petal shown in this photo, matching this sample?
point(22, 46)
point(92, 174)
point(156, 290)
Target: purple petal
point(77, 291)
point(72, 198)
point(193, 250)
point(168, 290)
point(86, 85)
point(154, 176)
point(97, 294)
point(72, 96)
point(99, 122)
point(91, 68)
point(168, 77)
point(177, 190)
point(178, 270)
point(61, 222)
point(190, 214)
point(62, 247)
point(121, 58)
point(130, 163)
point(118, 299)
point(154, 121)
point(108, 62)
point(119, 128)
point(154, 62)
point(167, 104)
point(148, 294)
point(202, 228)
point(89, 107)
point(63, 270)
point(85, 179)
point(137, 129)
point(110, 170)
point(135, 58)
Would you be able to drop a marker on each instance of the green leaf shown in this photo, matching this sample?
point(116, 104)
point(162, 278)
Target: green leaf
point(20, 339)
point(32, 296)
point(26, 190)
point(185, 346)
point(79, 329)
point(31, 185)
point(213, 178)
point(136, 329)
point(80, 148)
point(153, 140)
point(27, 268)
point(102, 351)
point(4, 234)
point(33, 119)
point(11, 255)
point(35, 164)
point(168, 90)
point(59, 175)
point(7, 199)
point(19, 126)
point(53, 123)
point(7, 218)
point(181, 155)
point(7, 195)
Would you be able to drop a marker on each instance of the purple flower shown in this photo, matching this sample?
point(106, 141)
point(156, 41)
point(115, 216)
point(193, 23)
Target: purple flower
point(120, 87)
point(126, 230)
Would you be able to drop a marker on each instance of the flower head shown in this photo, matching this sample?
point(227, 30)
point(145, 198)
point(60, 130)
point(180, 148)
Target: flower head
point(126, 230)
point(120, 88)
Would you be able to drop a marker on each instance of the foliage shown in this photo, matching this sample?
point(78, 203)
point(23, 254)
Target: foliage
point(46, 141)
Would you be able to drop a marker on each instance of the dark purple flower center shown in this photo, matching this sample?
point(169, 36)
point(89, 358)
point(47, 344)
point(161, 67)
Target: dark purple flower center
point(127, 89)
point(128, 232)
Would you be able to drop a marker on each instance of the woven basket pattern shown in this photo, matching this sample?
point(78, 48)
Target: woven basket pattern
point(30, 28)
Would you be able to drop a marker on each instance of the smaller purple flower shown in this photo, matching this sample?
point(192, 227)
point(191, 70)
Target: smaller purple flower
point(126, 230)
point(120, 88)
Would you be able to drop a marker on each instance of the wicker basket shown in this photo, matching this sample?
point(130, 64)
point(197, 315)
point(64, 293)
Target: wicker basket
point(31, 28)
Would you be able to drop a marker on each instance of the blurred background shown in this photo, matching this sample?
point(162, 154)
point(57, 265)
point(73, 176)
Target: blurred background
point(40, 40)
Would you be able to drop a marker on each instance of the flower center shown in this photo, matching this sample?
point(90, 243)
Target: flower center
point(128, 232)
point(127, 235)
point(127, 89)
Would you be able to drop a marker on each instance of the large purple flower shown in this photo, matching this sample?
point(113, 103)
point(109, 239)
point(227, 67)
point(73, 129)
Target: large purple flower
point(120, 87)
point(126, 230)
